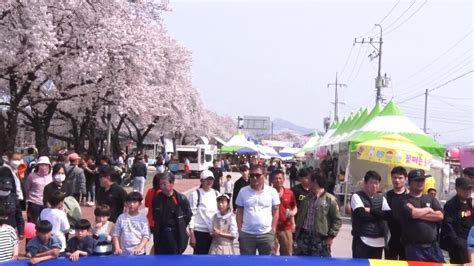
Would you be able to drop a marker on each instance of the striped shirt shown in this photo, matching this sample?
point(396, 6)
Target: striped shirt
point(8, 241)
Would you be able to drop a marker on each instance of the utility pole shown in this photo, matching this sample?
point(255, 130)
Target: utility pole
point(379, 81)
point(426, 111)
point(336, 97)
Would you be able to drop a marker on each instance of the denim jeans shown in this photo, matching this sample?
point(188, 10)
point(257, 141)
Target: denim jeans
point(139, 184)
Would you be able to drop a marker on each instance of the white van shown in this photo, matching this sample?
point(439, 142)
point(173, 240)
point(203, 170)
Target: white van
point(199, 156)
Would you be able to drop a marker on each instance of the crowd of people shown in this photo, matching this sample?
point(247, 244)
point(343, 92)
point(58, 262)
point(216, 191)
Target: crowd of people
point(264, 218)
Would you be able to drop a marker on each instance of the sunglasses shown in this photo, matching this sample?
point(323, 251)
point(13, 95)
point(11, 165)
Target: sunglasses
point(255, 175)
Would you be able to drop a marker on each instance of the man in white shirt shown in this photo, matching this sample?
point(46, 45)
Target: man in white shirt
point(369, 210)
point(257, 214)
point(203, 202)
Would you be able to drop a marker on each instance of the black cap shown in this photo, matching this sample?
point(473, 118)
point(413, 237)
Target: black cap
point(105, 170)
point(468, 171)
point(417, 174)
point(243, 168)
point(463, 182)
point(6, 184)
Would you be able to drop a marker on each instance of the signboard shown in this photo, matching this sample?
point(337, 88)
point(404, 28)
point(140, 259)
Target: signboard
point(257, 123)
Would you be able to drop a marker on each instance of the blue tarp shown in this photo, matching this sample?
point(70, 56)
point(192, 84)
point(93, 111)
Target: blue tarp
point(188, 260)
point(246, 151)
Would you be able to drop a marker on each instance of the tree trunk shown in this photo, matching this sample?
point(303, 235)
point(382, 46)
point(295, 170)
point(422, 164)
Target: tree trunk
point(93, 142)
point(115, 141)
point(41, 137)
point(8, 131)
point(40, 121)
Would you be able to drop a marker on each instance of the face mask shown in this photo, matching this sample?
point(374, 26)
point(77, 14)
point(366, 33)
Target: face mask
point(59, 177)
point(4, 193)
point(15, 163)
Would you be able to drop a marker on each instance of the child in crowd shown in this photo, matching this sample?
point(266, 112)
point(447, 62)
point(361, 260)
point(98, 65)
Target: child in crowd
point(102, 230)
point(45, 246)
point(11, 204)
point(224, 228)
point(82, 244)
point(228, 186)
point(8, 238)
point(131, 232)
point(57, 217)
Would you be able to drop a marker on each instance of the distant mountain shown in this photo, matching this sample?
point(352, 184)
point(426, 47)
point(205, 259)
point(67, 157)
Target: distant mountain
point(281, 125)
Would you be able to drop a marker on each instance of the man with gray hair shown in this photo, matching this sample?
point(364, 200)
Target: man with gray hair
point(172, 214)
point(257, 214)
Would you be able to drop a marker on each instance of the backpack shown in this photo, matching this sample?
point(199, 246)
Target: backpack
point(73, 210)
point(199, 196)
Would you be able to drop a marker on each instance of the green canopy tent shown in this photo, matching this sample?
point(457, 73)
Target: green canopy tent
point(237, 142)
point(392, 120)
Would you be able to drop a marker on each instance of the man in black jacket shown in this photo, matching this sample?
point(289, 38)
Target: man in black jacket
point(369, 209)
point(240, 183)
point(395, 249)
point(458, 219)
point(111, 193)
point(172, 214)
point(420, 215)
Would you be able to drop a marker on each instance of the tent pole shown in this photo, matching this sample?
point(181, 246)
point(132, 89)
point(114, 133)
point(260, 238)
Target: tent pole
point(346, 174)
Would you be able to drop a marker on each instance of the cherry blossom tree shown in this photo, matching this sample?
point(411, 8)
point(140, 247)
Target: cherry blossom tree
point(63, 61)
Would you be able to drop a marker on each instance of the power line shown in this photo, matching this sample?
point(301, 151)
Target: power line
point(439, 110)
point(455, 98)
point(360, 67)
point(449, 81)
point(439, 75)
point(442, 69)
point(439, 57)
point(355, 64)
point(438, 87)
point(403, 22)
point(404, 12)
point(454, 106)
point(442, 120)
point(389, 12)
point(347, 60)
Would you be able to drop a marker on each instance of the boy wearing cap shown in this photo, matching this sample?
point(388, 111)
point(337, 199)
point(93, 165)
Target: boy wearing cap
point(420, 215)
point(204, 207)
point(458, 219)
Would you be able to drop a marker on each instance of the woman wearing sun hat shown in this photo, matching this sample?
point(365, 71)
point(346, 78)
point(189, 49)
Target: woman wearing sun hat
point(34, 186)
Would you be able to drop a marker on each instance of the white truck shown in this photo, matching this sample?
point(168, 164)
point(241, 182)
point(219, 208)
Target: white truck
point(199, 156)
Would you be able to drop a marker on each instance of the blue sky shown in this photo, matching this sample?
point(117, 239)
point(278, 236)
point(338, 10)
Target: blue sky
point(275, 58)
